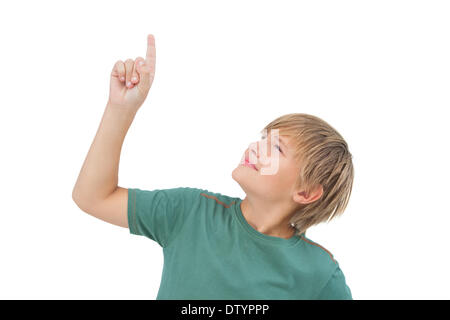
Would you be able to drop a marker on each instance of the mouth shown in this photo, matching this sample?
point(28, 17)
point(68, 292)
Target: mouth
point(248, 164)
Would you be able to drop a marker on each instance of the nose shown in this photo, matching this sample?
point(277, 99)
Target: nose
point(256, 152)
point(255, 149)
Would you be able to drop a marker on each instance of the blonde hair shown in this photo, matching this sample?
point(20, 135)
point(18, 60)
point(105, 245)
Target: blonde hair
point(324, 160)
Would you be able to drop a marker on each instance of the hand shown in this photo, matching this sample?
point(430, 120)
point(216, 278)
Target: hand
point(131, 80)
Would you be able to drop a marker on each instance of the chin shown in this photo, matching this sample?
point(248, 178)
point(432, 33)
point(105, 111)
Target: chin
point(241, 175)
point(235, 174)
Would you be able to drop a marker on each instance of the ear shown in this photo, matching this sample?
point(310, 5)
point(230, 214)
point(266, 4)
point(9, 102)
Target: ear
point(303, 198)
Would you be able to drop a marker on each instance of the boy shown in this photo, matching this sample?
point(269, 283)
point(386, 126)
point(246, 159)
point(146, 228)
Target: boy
point(221, 247)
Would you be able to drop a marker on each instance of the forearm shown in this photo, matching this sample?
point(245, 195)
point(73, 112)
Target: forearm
point(98, 177)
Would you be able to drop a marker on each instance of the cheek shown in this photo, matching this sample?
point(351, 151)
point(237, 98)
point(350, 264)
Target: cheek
point(273, 166)
point(272, 175)
point(285, 176)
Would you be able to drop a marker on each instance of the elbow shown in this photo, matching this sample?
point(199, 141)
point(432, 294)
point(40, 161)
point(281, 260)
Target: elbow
point(75, 196)
point(78, 201)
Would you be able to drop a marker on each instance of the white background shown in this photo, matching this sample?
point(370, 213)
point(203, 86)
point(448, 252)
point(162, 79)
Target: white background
point(377, 71)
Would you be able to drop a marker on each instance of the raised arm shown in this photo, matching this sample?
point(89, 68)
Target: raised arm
point(96, 190)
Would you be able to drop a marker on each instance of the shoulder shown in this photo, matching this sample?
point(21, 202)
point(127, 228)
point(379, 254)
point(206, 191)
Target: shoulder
point(218, 198)
point(320, 252)
point(320, 259)
point(175, 196)
point(193, 195)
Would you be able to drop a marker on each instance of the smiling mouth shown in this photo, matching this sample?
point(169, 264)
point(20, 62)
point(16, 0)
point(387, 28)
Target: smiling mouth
point(250, 165)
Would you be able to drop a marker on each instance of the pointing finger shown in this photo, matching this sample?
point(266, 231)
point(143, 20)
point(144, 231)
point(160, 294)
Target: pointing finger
point(151, 50)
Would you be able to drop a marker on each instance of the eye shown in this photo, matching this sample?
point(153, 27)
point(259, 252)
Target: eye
point(277, 146)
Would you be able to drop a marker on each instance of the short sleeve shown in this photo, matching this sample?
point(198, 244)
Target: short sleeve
point(160, 214)
point(336, 288)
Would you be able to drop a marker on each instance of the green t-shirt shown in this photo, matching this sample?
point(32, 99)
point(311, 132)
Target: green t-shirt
point(211, 252)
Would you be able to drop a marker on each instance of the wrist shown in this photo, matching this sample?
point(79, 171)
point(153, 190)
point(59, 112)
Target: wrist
point(123, 109)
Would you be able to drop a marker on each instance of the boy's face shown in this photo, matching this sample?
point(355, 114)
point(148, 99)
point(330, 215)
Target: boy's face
point(276, 169)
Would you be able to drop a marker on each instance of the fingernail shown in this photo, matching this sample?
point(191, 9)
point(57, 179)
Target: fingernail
point(129, 84)
point(133, 79)
point(122, 78)
point(141, 63)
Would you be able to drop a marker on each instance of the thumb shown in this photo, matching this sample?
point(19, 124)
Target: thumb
point(146, 75)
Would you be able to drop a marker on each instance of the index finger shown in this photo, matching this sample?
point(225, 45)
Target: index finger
point(151, 50)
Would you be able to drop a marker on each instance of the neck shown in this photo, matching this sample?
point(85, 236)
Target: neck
point(270, 219)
